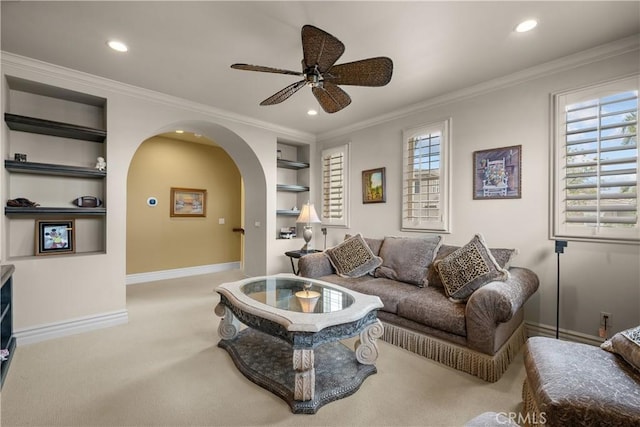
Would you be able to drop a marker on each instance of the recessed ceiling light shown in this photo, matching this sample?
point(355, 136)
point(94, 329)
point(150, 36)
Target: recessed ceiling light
point(312, 112)
point(117, 46)
point(527, 25)
point(179, 131)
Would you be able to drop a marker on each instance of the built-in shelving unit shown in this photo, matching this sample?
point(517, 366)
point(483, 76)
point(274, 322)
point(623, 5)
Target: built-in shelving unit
point(293, 184)
point(52, 169)
point(52, 128)
point(292, 188)
point(292, 164)
point(62, 133)
point(47, 211)
point(287, 212)
point(7, 340)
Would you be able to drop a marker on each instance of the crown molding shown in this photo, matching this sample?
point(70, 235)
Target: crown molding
point(616, 48)
point(93, 82)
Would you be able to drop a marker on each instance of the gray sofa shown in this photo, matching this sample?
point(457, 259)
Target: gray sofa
point(480, 336)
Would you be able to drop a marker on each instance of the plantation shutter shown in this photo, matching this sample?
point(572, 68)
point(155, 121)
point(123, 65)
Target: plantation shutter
point(424, 196)
point(334, 187)
point(600, 166)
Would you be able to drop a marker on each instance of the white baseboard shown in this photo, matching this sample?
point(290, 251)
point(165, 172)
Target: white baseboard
point(540, 330)
point(70, 327)
point(152, 276)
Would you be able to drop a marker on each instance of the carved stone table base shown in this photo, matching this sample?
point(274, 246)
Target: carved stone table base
point(267, 361)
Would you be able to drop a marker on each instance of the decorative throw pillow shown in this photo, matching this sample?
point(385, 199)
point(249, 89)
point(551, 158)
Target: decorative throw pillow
point(407, 259)
point(433, 278)
point(627, 345)
point(353, 257)
point(374, 244)
point(469, 268)
point(502, 256)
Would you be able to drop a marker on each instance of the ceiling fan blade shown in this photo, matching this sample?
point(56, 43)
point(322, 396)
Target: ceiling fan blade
point(320, 48)
point(367, 72)
point(331, 98)
point(263, 69)
point(283, 94)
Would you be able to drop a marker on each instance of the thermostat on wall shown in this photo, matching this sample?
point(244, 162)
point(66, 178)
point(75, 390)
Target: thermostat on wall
point(152, 201)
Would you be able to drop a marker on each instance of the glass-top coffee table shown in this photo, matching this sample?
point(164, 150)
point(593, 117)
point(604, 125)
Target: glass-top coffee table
point(292, 346)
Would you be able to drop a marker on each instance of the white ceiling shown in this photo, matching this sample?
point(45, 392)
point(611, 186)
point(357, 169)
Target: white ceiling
point(185, 48)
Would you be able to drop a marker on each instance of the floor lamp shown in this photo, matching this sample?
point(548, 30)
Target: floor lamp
point(560, 245)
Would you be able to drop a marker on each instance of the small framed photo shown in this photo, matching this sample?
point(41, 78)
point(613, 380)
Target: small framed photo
point(497, 173)
point(55, 237)
point(373, 186)
point(188, 202)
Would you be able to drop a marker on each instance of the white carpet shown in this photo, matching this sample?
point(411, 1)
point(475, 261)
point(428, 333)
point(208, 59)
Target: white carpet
point(164, 369)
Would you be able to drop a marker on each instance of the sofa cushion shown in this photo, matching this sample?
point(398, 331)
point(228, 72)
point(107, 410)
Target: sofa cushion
point(503, 257)
point(407, 259)
point(431, 307)
point(467, 269)
point(390, 292)
point(353, 257)
point(627, 345)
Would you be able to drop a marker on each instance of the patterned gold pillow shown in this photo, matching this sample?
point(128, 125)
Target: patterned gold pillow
point(469, 268)
point(502, 256)
point(353, 257)
point(627, 345)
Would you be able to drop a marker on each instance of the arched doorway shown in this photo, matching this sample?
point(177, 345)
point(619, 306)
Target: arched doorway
point(241, 166)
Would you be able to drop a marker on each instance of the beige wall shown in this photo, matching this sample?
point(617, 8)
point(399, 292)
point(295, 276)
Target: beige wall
point(595, 277)
point(156, 241)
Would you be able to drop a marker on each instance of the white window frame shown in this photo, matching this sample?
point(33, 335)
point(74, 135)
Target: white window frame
point(441, 224)
point(562, 229)
point(343, 220)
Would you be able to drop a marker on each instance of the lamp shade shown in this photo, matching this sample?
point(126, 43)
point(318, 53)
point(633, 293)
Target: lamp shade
point(308, 214)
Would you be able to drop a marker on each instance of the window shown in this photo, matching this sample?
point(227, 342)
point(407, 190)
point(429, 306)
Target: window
point(425, 193)
point(596, 163)
point(335, 173)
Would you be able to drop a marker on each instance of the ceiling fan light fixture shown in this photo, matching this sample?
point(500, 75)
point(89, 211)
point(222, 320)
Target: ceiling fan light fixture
point(526, 25)
point(118, 46)
point(320, 52)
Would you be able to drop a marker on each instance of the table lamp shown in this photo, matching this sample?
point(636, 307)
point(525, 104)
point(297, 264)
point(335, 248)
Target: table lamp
point(308, 300)
point(307, 216)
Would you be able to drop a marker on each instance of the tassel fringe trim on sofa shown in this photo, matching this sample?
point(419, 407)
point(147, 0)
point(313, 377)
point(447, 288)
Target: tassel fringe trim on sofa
point(484, 366)
point(533, 416)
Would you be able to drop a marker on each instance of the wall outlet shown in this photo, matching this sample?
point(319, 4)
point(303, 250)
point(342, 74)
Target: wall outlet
point(605, 319)
point(605, 324)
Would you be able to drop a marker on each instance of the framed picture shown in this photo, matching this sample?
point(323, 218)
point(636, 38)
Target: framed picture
point(373, 186)
point(55, 237)
point(497, 173)
point(189, 202)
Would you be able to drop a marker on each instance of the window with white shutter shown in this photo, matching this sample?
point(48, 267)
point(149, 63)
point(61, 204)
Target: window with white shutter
point(335, 173)
point(425, 198)
point(596, 163)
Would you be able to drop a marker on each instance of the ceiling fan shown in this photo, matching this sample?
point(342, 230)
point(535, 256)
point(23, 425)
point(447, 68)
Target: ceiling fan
point(321, 50)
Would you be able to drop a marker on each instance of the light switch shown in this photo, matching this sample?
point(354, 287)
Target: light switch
point(220, 221)
point(256, 224)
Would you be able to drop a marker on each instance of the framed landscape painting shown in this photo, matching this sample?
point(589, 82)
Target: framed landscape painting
point(373, 186)
point(55, 237)
point(497, 173)
point(188, 202)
